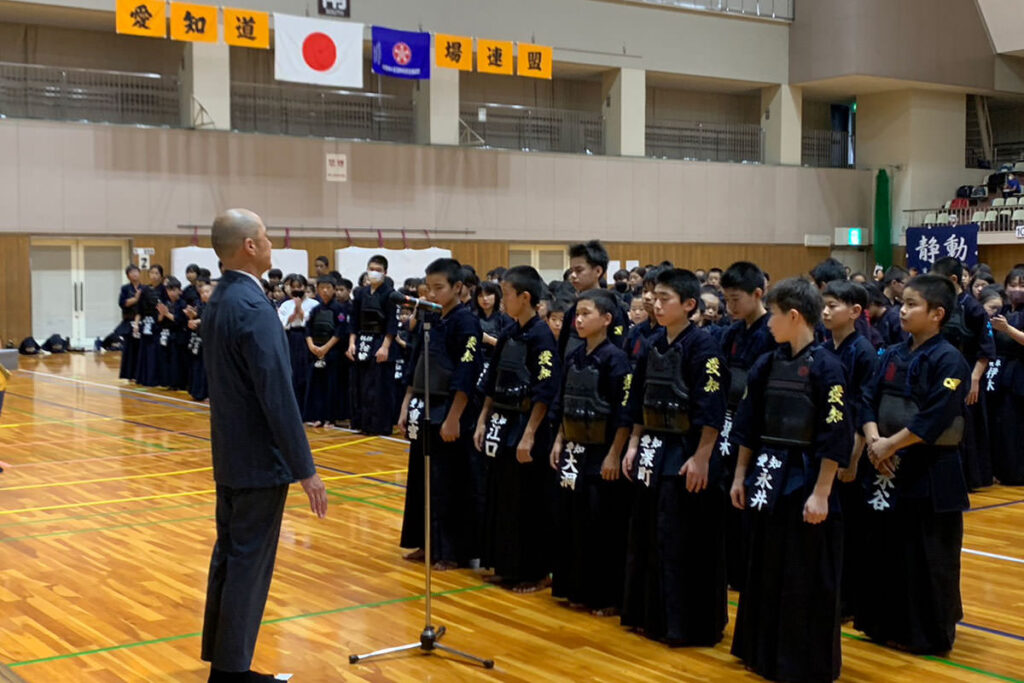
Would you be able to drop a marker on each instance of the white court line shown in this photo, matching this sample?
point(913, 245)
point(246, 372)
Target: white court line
point(161, 397)
point(1007, 558)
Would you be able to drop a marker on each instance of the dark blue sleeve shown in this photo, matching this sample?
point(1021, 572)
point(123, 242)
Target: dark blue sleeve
point(864, 363)
point(620, 383)
point(747, 425)
point(357, 307)
point(264, 349)
point(833, 437)
point(707, 395)
point(390, 315)
point(544, 364)
point(947, 379)
point(617, 332)
point(341, 322)
point(309, 316)
point(636, 395)
point(465, 341)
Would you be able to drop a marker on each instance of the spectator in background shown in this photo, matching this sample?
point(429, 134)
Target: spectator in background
point(1012, 187)
point(322, 265)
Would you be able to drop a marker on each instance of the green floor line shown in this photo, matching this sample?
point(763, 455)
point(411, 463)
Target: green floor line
point(266, 622)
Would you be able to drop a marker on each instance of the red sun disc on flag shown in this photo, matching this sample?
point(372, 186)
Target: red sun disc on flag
point(401, 53)
point(319, 51)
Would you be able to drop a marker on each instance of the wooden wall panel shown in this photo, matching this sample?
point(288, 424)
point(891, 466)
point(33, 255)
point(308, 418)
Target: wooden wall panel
point(15, 288)
point(1001, 257)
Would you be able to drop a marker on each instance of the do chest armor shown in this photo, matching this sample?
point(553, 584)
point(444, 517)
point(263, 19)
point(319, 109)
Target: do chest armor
point(956, 331)
point(321, 327)
point(897, 406)
point(585, 413)
point(789, 412)
point(666, 396)
point(440, 376)
point(371, 316)
point(512, 378)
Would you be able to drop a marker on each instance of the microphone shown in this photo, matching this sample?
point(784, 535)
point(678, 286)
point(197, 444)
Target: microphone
point(400, 299)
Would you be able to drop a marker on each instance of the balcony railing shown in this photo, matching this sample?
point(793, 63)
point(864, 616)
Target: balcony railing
point(989, 218)
point(828, 149)
point(534, 129)
point(319, 112)
point(31, 91)
point(697, 141)
point(773, 9)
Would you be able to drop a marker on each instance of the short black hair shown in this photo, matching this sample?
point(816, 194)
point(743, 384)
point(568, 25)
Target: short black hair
point(593, 252)
point(744, 276)
point(984, 276)
point(604, 301)
point(469, 276)
point(936, 290)
point(345, 282)
point(491, 288)
point(795, 293)
point(130, 267)
point(322, 259)
point(498, 273)
point(949, 266)
point(621, 274)
point(895, 274)
point(651, 277)
point(172, 283)
point(192, 268)
point(558, 306)
point(876, 295)
point(715, 270)
point(827, 271)
point(849, 292)
point(157, 267)
point(525, 279)
point(325, 280)
point(204, 272)
point(297, 277)
point(272, 274)
point(380, 260)
point(682, 282)
point(449, 267)
point(200, 281)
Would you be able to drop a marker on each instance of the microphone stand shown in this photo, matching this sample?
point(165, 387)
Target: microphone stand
point(430, 637)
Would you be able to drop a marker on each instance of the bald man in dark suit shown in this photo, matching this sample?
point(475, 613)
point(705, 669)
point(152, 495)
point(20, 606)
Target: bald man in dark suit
point(258, 442)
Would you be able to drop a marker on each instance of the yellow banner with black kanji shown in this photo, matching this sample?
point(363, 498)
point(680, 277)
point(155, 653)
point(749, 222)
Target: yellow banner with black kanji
point(494, 57)
point(245, 28)
point(141, 18)
point(534, 61)
point(453, 52)
point(194, 23)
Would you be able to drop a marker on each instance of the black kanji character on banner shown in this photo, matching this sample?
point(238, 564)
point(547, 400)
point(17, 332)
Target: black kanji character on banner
point(533, 61)
point(194, 24)
point(246, 28)
point(141, 16)
point(453, 51)
point(494, 56)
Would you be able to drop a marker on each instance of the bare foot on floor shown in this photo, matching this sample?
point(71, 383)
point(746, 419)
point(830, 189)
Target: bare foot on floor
point(445, 565)
point(415, 556)
point(531, 586)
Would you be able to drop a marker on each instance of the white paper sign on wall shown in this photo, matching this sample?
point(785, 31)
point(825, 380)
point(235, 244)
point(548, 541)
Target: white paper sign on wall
point(337, 168)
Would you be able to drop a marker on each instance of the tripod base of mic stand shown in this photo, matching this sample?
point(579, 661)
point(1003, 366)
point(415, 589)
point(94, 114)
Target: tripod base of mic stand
point(429, 642)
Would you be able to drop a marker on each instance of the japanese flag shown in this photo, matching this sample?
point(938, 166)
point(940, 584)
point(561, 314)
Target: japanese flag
point(318, 51)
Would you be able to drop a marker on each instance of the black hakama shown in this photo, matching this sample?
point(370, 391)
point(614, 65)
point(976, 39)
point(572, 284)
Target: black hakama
point(148, 372)
point(298, 353)
point(787, 623)
point(129, 356)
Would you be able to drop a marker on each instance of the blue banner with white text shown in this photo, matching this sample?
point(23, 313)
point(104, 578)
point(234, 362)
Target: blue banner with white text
point(925, 246)
point(401, 54)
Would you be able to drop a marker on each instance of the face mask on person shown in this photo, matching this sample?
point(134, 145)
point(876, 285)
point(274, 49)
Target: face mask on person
point(1016, 297)
point(375, 277)
point(621, 287)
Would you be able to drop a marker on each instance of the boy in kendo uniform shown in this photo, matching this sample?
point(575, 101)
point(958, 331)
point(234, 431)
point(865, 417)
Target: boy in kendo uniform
point(454, 369)
point(675, 588)
point(594, 423)
point(793, 426)
point(513, 430)
point(588, 265)
point(742, 343)
point(913, 415)
point(374, 326)
point(326, 330)
point(968, 329)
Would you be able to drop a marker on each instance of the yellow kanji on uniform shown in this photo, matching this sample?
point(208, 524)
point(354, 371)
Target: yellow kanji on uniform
point(712, 367)
point(544, 374)
point(467, 357)
point(835, 394)
point(545, 358)
point(712, 386)
point(951, 383)
point(617, 331)
point(627, 384)
point(835, 416)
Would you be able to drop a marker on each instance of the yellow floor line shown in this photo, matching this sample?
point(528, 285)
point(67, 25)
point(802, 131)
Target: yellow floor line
point(342, 445)
point(105, 479)
point(94, 419)
point(134, 499)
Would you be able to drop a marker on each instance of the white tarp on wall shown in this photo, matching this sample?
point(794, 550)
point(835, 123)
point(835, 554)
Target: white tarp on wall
point(288, 260)
point(402, 263)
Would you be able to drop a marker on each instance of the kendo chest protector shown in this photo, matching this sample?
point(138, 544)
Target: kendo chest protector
point(585, 414)
point(512, 378)
point(440, 377)
point(897, 406)
point(666, 396)
point(789, 412)
point(321, 327)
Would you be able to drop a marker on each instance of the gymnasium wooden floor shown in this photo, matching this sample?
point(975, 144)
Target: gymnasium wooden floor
point(106, 526)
